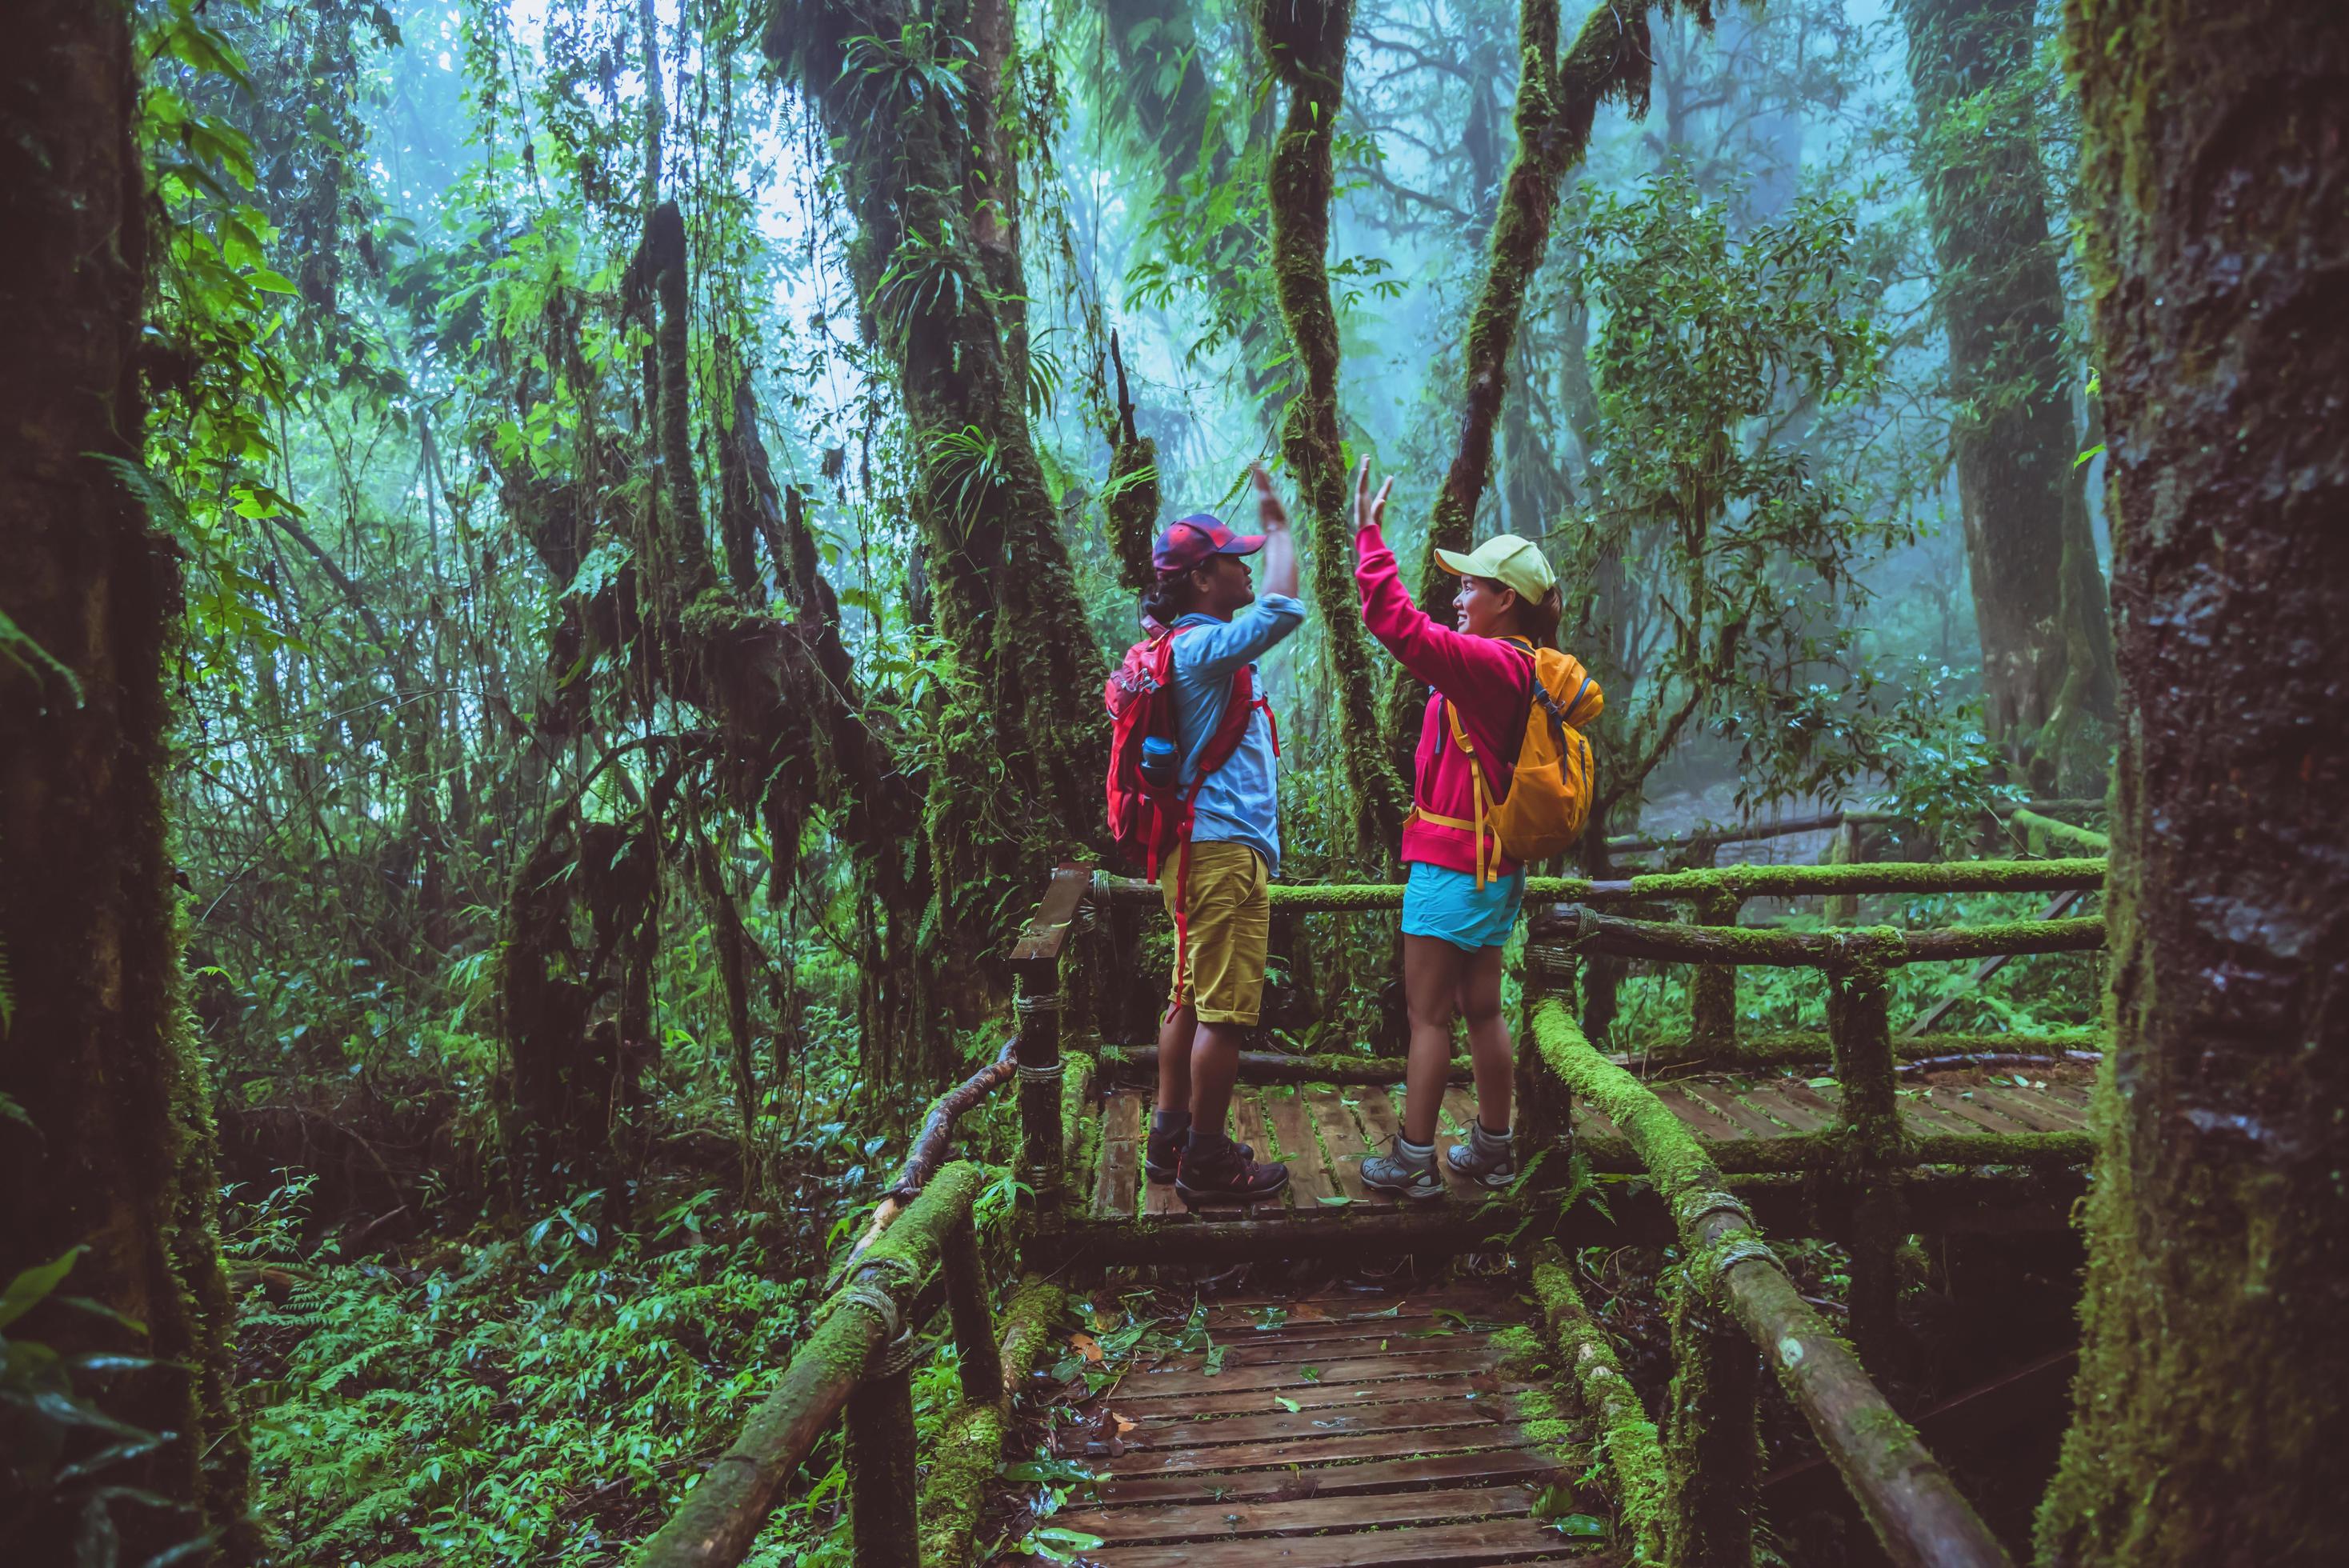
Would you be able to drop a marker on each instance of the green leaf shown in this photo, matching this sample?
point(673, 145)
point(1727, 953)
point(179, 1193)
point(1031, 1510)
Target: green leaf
point(1286, 1403)
point(1333, 1200)
point(28, 1289)
point(272, 283)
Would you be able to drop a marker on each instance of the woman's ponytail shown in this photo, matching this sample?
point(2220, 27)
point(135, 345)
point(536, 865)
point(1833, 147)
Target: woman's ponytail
point(1536, 619)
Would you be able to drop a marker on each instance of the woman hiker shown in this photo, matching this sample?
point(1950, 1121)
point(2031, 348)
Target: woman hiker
point(1462, 896)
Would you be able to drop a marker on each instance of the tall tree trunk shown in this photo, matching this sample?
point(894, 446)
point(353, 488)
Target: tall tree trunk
point(2212, 1402)
point(2038, 599)
point(1558, 97)
point(1021, 779)
point(108, 1143)
point(1306, 42)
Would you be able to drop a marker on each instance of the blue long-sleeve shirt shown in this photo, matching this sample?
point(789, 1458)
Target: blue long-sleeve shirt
point(1239, 802)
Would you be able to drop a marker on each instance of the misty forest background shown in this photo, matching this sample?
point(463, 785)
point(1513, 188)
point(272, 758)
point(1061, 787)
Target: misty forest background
point(659, 483)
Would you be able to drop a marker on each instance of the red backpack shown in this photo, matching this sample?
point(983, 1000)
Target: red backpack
point(1148, 820)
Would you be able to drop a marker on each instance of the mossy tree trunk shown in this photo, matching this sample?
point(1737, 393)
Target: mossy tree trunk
point(107, 1143)
point(1305, 41)
point(2212, 1402)
point(935, 267)
point(2039, 598)
point(1558, 97)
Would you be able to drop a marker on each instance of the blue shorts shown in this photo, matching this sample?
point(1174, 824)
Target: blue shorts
point(1439, 901)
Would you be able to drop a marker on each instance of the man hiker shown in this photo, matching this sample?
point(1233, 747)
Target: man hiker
point(1218, 886)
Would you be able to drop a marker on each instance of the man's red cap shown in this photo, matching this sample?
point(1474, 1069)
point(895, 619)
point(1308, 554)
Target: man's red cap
point(1185, 543)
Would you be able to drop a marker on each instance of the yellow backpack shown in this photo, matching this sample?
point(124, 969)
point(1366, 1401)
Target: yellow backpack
point(1548, 798)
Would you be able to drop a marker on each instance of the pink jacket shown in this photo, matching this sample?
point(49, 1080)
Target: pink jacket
point(1490, 682)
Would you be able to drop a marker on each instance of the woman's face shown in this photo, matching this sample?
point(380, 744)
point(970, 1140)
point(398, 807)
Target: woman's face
point(1482, 607)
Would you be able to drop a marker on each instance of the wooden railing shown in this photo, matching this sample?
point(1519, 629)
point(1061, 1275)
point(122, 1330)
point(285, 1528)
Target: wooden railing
point(921, 1249)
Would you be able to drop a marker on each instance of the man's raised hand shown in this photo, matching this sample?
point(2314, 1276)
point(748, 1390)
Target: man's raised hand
point(1369, 511)
point(1270, 515)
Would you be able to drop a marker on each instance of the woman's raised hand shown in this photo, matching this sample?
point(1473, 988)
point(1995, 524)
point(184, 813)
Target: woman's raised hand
point(1369, 511)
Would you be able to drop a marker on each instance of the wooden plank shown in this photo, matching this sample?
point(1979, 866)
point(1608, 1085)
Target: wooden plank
point(1984, 1116)
point(1235, 1518)
point(1772, 1100)
point(1699, 1118)
point(1590, 1121)
point(2029, 1107)
point(1414, 1337)
point(1047, 929)
point(1928, 1114)
point(1476, 1357)
point(1429, 1546)
point(1366, 1307)
point(1120, 1158)
point(1481, 1437)
point(1248, 1127)
point(1342, 1142)
point(1293, 1427)
point(1435, 1385)
point(1725, 1102)
point(1309, 1176)
point(1327, 1481)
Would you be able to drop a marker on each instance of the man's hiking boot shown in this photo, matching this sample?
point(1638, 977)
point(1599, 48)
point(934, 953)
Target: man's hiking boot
point(1165, 1144)
point(1409, 1172)
point(1487, 1158)
point(1214, 1169)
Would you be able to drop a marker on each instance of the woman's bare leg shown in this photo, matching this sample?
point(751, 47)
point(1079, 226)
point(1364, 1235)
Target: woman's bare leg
point(1432, 973)
point(1490, 1050)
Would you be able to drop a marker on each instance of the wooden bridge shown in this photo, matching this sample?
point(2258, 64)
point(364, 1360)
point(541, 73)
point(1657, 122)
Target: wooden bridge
point(1330, 1434)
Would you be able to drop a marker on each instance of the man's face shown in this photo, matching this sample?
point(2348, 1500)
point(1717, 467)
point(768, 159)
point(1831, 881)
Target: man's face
point(1226, 585)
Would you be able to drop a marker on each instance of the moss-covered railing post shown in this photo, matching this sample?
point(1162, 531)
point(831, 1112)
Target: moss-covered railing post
point(1712, 1446)
point(1036, 972)
point(1918, 1515)
point(973, 1319)
point(1860, 1032)
point(882, 1501)
point(1713, 987)
point(1545, 1123)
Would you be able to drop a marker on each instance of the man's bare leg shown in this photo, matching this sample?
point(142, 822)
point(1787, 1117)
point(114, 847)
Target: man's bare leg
point(1176, 1033)
point(1215, 1066)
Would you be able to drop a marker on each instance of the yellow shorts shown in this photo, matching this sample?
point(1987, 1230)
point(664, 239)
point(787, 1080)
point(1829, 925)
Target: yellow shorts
point(1230, 929)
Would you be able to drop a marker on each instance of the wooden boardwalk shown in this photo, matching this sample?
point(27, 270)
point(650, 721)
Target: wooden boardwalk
point(1339, 1428)
point(1323, 1131)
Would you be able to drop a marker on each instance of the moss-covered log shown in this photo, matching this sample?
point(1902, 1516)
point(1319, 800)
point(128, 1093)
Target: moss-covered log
point(1305, 41)
point(1793, 1047)
point(1916, 1513)
point(718, 1520)
point(1917, 881)
point(1273, 1067)
point(1826, 1151)
point(1666, 942)
point(968, 1447)
point(2212, 1403)
point(2039, 598)
point(1627, 1437)
point(107, 1143)
point(2068, 834)
point(1558, 95)
point(1356, 1230)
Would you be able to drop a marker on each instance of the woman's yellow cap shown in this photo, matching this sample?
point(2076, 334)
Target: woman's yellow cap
point(1511, 562)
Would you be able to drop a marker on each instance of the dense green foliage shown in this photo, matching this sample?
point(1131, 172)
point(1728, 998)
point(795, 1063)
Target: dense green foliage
point(650, 549)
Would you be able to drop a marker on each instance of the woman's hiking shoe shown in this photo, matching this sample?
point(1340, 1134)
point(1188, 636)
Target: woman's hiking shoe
point(1409, 1172)
point(1214, 1170)
point(1487, 1158)
point(1165, 1144)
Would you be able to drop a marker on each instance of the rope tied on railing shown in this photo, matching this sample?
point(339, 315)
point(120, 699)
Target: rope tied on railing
point(870, 1292)
point(1027, 1005)
point(892, 1356)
